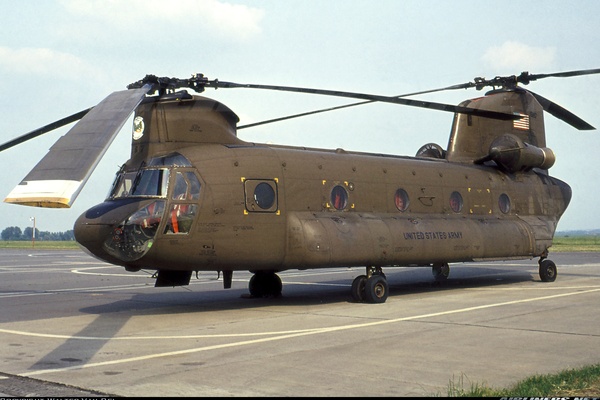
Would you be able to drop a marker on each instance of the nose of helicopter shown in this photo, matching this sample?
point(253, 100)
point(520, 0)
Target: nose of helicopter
point(90, 236)
point(119, 231)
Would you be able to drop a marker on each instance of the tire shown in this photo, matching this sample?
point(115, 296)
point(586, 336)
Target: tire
point(264, 284)
point(376, 289)
point(358, 288)
point(548, 271)
point(274, 286)
point(256, 286)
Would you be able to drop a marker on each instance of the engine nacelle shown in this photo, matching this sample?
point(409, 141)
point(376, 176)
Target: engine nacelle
point(511, 153)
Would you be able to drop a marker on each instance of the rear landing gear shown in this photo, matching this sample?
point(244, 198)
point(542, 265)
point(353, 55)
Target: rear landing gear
point(358, 288)
point(265, 284)
point(370, 288)
point(547, 270)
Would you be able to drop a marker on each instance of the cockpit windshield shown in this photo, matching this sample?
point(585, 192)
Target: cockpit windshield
point(150, 180)
point(143, 183)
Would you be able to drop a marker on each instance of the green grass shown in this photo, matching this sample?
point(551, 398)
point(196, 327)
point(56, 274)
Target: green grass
point(582, 382)
point(43, 245)
point(575, 243)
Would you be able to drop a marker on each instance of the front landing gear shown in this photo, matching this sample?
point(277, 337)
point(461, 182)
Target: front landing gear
point(370, 288)
point(547, 270)
point(265, 284)
point(440, 271)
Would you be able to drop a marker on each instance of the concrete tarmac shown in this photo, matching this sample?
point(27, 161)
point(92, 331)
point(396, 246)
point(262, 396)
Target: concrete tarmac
point(71, 325)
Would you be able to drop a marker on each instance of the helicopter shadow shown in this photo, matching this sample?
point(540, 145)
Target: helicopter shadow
point(83, 345)
point(401, 283)
point(111, 317)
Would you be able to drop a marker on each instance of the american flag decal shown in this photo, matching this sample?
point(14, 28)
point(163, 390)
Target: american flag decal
point(522, 123)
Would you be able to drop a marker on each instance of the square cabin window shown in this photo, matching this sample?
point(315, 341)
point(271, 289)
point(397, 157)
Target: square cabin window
point(261, 195)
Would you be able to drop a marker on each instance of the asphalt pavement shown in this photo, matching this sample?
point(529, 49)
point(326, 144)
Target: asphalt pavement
point(71, 325)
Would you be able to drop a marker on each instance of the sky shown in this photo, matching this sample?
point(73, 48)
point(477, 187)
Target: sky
point(58, 57)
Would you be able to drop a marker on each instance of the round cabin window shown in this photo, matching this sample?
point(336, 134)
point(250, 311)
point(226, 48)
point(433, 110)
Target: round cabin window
point(264, 195)
point(504, 203)
point(401, 200)
point(456, 202)
point(339, 197)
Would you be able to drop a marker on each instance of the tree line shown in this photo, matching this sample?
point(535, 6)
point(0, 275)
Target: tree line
point(15, 233)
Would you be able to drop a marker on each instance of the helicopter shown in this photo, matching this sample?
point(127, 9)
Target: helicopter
point(193, 196)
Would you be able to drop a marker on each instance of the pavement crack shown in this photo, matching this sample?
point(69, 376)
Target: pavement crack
point(513, 329)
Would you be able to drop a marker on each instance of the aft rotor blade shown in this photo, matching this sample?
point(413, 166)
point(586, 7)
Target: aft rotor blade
point(562, 113)
point(45, 129)
point(59, 177)
point(373, 97)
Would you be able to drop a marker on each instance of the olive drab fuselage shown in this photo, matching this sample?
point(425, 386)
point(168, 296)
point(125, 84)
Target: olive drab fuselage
point(222, 204)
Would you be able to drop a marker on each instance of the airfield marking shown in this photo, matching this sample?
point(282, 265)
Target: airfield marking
point(83, 271)
point(520, 289)
point(74, 290)
point(39, 255)
point(295, 334)
point(15, 294)
point(211, 336)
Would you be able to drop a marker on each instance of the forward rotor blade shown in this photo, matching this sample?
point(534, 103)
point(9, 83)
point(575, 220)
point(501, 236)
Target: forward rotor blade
point(566, 74)
point(59, 177)
point(372, 97)
point(269, 121)
point(322, 110)
point(45, 129)
point(562, 113)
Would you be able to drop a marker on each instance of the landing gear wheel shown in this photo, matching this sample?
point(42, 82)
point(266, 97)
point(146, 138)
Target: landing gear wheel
point(358, 288)
point(376, 289)
point(440, 271)
point(547, 270)
point(265, 284)
point(256, 286)
point(275, 285)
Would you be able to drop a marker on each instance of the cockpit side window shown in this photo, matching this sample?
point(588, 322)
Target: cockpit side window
point(194, 185)
point(186, 187)
point(180, 190)
point(184, 207)
point(180, 218)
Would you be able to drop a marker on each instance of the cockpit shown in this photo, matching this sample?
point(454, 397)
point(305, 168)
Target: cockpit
point(167, 190)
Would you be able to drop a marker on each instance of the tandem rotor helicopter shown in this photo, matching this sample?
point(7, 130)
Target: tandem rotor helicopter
point(196, 197)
